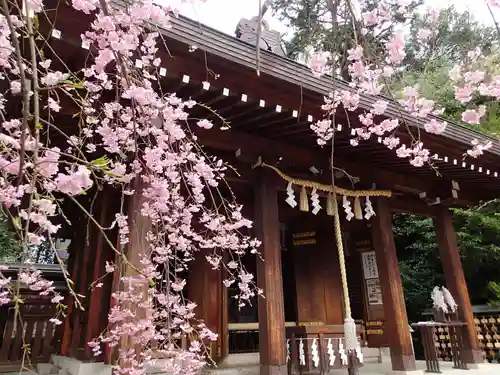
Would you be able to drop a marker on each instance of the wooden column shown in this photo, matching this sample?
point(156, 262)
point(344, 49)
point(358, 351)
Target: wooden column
point(455, 281)
point(206, 290)
point(271, 310)
point(139, 225)
point(127, 277)
point(100, 297)
point(396, 320)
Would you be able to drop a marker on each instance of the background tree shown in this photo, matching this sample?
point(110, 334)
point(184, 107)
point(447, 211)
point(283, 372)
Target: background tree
point(10, 249)
point(478, 238)
point(426, 64)
point(313, 29)
point(453, 35)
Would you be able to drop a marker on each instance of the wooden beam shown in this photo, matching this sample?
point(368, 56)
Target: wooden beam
point(455, 281)
point(412, 206)
point(271, 308)
point(251, 147)
point(396, 319)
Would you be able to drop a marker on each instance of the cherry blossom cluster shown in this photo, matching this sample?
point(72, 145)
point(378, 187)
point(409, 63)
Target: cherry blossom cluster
point(371, 75)
point(131, 135)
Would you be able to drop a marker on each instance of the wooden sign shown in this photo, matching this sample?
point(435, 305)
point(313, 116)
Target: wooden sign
point(375, 327)
point(374, 331)
point(369, 260)
point(304, 238)
point(310, 324)
point(374, 323)
point(374, 292)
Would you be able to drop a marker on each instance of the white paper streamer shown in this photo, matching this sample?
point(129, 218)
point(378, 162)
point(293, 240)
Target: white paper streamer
point(359, 354)
point(342, 353)
point(290, 196)
point(369, 212)
point(347, 208)
point(315, 353)
point(315, 202)
point(331, 352)
point(302, 356)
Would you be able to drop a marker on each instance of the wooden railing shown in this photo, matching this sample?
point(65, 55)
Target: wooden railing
point(32, 337)
point(455, 330)
point(313, 348)
point(487, 321)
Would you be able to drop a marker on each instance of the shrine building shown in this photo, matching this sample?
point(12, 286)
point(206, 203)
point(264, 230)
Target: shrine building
point(284, 182)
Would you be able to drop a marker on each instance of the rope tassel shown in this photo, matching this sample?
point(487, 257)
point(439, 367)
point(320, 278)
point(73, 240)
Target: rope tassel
point(329, 205)
point(304, 202)
point(358, 212)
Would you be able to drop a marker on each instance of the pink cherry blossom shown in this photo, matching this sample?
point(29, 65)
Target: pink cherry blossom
point(473, 116)
point(371, 18)
point(435, 127)
point(424, 34)
point(317, 63)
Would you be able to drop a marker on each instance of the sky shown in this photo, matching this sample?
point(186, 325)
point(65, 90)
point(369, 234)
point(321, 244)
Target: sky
point(224, 15)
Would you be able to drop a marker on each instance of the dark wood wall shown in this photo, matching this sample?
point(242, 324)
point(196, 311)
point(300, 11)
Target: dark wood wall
point(317, 271)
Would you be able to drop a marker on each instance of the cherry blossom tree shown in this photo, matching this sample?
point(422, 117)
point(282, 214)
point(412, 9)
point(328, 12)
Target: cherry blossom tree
point(127, 133)
point(372, 73)
point(135, 138)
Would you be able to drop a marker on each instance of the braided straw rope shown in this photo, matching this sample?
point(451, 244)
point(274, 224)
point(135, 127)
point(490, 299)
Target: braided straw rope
point(329, 188)
point(349, 325)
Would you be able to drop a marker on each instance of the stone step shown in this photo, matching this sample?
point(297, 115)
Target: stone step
point(46, 369)
point(240, 360)
point(241, 370)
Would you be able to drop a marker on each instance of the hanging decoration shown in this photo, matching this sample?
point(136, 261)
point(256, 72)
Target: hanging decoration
point(369, 212)
point(331, 352)
point(342, 353)
point(359, 353)
point(358, 212)
point(352, 209)
point(329, 205)
point(315, 353)
point(302, 354)
point(304, 202)
point(352, 346)
point(347, 208)
point(315, 202)
point(290, 196)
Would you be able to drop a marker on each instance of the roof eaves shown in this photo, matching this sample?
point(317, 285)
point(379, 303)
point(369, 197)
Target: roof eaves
point(230, 48)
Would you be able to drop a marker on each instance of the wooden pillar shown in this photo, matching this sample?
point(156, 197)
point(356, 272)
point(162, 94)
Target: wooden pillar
point(206, 290)
point(272, 340)
point(455, 281)
point(100, 297)
point(396, 320)
point(127, 278)
point(139, 225)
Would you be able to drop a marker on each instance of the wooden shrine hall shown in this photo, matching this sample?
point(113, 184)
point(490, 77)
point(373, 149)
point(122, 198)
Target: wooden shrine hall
point(270, 116)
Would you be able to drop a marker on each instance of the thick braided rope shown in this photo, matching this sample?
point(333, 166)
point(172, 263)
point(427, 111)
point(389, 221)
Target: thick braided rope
point(330, 188)
point(340, 249)
point(334, 190)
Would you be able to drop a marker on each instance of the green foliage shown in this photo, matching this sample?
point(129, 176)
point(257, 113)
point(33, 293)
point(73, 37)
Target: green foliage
point(478, 238)
point(494, 289)
point(313, 30)
point(435, 84)
point(426, 64)
point(454, 35)
point(420, 266)
point(10, 248)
